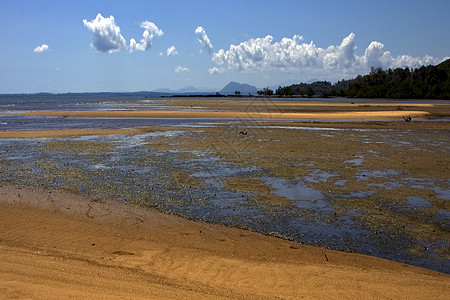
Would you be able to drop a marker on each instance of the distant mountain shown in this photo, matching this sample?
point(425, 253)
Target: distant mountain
point(188, 89)
point(185, 90)
point(244, 89)
point(163, 91)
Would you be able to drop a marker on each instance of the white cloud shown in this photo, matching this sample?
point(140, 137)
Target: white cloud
point(203, 38)
point(179, 69)
point(171, 51)
point(42, 48)
point(151, 30)
point(292, 54)
point(106, 34)
point(215, 70)
point(375, 56)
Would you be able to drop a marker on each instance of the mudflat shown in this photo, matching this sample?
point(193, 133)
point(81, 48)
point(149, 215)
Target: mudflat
point(58, 245)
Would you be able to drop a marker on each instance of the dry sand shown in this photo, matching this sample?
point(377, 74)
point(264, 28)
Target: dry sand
point(56, 245)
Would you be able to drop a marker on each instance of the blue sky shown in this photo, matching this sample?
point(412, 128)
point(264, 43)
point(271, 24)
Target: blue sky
point(47, 47)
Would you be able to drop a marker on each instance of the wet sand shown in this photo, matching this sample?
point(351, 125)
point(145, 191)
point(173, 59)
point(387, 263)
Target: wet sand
point(56, 245)
point(28, 134)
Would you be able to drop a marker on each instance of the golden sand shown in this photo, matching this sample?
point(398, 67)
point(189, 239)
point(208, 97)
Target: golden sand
point(55, 245)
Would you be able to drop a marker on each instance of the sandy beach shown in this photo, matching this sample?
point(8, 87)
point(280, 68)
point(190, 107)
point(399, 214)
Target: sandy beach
point(60, 244)
point(224, 150)
point(56, 245)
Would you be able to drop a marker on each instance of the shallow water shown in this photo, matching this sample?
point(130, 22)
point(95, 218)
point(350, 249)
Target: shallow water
point(303, 196)
point(418, 202)
point(357, 161)
point(9, 122)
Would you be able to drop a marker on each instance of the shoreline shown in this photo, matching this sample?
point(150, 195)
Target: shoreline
point(88, 246)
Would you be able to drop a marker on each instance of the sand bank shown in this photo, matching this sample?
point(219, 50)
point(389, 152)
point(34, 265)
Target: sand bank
point(61, 133)
point(56, 245)
point(344, 115)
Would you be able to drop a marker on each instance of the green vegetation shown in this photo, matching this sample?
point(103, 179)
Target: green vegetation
point(265, 92)
point(284, 91)
point(430, 82)
point(321, 88)
point(425, 82)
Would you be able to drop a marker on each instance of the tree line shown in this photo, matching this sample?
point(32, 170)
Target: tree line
point(426, 82)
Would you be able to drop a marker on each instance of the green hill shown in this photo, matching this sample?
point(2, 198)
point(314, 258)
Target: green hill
point(426, 82)
point(445, 66)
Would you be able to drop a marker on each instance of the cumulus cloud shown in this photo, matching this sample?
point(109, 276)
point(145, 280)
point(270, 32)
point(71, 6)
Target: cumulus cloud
point(151, 30)
point(42, 48)
point(171, 51)
point(179, 69)
point(215, 70)
point(375, 56)
point(203, 39)
point(106, 34)
point(292, 54)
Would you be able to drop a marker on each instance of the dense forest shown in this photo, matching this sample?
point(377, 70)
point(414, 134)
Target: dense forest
point(430, 82)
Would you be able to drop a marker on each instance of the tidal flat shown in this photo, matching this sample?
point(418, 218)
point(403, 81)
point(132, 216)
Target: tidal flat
point(377, 188)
